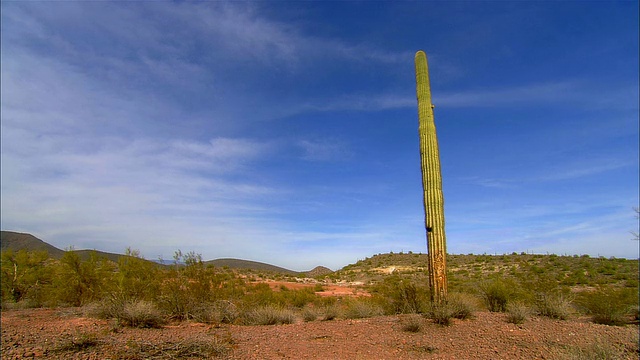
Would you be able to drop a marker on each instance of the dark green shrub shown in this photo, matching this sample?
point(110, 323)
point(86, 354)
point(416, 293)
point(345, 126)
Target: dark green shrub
point(25, 276)
point(610, 306)
point(80, 282)
point(401, 296)
point(498, 293)
point(137, 278)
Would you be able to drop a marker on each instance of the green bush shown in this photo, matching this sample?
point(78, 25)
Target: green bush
point(25, 276)
point(401, 296)
point(137, 278)
point(80, 282)
point(610, 306)
point(498, 293)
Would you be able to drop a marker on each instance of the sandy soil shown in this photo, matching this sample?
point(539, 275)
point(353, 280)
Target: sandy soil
point(66, 334)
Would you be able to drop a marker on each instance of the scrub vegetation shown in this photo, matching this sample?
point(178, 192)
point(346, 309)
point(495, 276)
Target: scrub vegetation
point(141, 293)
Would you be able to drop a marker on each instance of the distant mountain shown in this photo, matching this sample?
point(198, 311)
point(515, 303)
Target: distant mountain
point(247, 264)
point(319, 271)
point(19, 241)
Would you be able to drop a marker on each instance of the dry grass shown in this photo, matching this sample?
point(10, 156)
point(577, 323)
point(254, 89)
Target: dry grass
point(555, 306)
point(413, 323)
point(269, 315)
point(202, 347)
point(517, 312)
point(309, 314)
point(141, 314)
point(77, 342)
point(461, 306)
point(441, 314)
point(597, 350)
point(361, 308)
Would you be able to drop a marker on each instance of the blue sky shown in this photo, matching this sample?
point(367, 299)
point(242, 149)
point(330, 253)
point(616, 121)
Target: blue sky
point(286, 132)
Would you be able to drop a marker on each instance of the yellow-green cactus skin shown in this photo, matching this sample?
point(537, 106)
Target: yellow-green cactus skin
point(431, 183)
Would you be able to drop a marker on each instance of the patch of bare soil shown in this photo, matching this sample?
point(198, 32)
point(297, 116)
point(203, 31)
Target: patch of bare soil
point(336, 290)
point(66, 334)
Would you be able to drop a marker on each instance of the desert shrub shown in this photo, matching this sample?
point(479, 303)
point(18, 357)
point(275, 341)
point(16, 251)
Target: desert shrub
point(25, 277)
point(610, 306)
point(216, 312)
point(517, 312)
point(137, 313)
point(309, 313)
point(461, 306)
point(260, 295)
point(225, 311)
point(330, 312)
point(174, 298)
point(110, 307)
point(555, 306)
point(141, 314)
point(441, 314)
point(401, 296)
point(298, 298)
point(361, 308)
point(137, 278)
point(413, 323)
point(80, 282)
point(269, 315)
point(498, 293)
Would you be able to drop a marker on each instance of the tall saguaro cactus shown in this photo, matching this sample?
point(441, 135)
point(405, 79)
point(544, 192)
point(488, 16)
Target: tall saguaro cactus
point(431, 183)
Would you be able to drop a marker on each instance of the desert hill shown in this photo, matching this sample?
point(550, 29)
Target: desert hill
point(21, 241)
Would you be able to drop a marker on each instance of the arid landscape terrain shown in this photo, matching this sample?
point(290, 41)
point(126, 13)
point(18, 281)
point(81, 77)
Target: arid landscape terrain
point(85, 305)
point(67, 334)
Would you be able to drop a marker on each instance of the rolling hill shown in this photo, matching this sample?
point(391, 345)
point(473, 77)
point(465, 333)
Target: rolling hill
point(22, 241)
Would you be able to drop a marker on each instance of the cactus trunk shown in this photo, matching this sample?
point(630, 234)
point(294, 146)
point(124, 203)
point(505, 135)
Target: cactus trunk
point(431, 183)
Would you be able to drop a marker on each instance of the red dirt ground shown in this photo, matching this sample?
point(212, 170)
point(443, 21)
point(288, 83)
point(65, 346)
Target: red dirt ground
point(66, 334)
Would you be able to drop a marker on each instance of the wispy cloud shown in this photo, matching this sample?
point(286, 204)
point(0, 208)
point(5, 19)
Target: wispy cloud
point(325, 150)
point(583, 168)
point(568, 92)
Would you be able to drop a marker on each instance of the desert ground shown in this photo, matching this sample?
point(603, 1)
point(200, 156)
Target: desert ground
point(66, 333)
